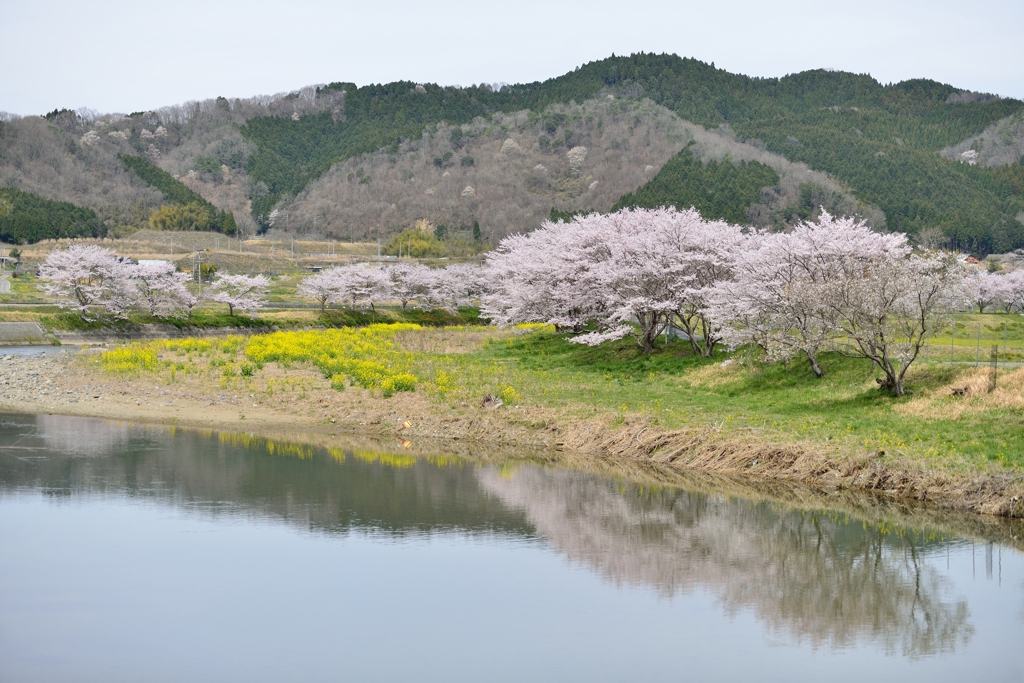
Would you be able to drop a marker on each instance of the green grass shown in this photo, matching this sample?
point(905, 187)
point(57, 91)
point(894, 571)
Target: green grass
point(284, 289)
point(205, 318)
point(778, 403)
point(973, 335)
point(23, 290)
point(745, 399)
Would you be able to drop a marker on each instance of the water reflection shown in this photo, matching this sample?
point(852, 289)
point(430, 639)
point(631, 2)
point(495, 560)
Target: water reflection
point(819, 577)
point(329, 490)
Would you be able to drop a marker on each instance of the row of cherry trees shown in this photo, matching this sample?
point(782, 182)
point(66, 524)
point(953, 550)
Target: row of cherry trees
point(831, 284)
point(361, 284)
point(86, 278)
point(1000, 290)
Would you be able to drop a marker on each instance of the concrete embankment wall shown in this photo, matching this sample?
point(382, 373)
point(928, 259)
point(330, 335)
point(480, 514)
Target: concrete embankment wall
point(23, 334)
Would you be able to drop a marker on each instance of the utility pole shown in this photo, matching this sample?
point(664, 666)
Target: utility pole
point(293, 246)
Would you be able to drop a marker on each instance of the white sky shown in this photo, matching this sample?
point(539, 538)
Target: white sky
point(125, 55)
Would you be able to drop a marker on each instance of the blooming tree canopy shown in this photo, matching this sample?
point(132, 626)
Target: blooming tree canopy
point(323, 287)
point(782, 294)
point(457, 285)
point(247, 293)
point(889, 307)
point(825, 285)
point(82, 277)
point(161, 290)
point(1005, 290)
point(411, 282)
point(649, 267)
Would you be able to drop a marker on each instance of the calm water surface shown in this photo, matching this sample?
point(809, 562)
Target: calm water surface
point(132, 553)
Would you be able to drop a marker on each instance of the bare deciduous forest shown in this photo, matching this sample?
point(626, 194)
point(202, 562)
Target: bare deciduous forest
point(509, 172)
point(1000, 144)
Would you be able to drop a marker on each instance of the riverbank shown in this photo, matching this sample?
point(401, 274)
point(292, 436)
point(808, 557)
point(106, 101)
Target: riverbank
point(297, 399)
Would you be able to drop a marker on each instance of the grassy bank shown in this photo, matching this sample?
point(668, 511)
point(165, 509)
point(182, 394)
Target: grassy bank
point(786, 403)
point(558, 383)
point(57, 320)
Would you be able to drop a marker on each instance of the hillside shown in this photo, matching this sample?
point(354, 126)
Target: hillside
point(347, 161)
point(1000, 144)
point(26, 217)
point(505, 171)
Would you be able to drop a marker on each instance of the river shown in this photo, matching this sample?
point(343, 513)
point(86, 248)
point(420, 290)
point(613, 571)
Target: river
point(145, 553)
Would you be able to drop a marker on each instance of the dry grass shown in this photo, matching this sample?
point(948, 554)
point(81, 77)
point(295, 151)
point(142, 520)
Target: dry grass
point(835, 468)
point(448, 340)
point(13, 316)
point(716, 375)
point(292, 317)
point(941, 403)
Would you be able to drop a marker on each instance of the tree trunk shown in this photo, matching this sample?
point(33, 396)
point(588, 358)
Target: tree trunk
point(649, 330)
point(892, 382)
point(815, 368)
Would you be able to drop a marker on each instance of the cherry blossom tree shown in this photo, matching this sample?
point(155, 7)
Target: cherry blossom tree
point(532, 279)
point(1005, 290)
point(247, 293)
point(323, 287)
point(350, 284)
point(986, 290)
point(411, 282)
point(367, 283)
point(82, 277)
point(638, 271)
point(798, 292)
point(161, 291)
point(781, 295)
point(1013, 292)
point(888, 307)
point(460, 284)
point(633, 268)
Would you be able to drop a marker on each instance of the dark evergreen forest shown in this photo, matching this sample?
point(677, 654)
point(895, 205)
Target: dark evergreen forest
point(176, 192)
point(27, 218)
point(716, 189)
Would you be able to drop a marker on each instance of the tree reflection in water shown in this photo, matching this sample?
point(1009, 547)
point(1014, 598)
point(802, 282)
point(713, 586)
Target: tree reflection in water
point(817, 576)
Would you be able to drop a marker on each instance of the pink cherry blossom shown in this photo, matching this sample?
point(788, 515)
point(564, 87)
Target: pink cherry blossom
point(247, 293)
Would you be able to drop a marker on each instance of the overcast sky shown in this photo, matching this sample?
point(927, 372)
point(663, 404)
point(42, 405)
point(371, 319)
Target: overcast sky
point(125, 55)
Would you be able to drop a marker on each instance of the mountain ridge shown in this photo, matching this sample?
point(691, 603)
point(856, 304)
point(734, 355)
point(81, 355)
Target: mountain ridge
point(877, 147)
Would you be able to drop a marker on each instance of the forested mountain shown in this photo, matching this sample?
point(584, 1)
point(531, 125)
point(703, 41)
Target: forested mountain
point(25, 217)
point(190, 211)
point(718, 189)
point(507, 172)
point(355, 161)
